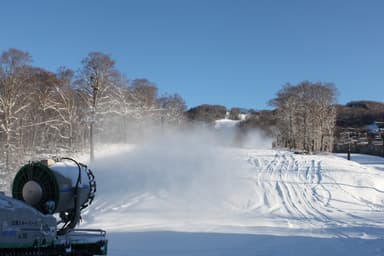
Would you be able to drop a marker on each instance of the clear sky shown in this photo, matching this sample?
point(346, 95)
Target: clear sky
point(236, 53)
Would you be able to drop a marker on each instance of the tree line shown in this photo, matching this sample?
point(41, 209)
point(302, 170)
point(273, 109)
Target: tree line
point(45, 111)
point(66, 111)
point(304, 117)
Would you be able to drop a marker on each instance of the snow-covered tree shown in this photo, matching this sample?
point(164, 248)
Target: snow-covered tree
point(306, 116)
point(68, 106)
point(13, 98)
point(173, 108)
point(98, 82)
point(144, 96)
point(40, 126)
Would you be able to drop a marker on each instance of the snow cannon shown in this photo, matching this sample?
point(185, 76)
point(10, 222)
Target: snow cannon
point(62, 186)
point(40, 219)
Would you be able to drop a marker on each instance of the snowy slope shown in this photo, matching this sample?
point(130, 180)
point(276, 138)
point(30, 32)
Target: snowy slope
point(266, 195)
point(226, 123)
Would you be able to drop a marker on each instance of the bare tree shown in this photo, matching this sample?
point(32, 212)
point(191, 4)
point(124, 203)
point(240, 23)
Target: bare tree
point(68, 108)
point(13, 96)
point(173, 108)
point(42, 125)
point(287, 104)
point(306, 116)
point(326, 118)
point(98, 79)
point(144, 95)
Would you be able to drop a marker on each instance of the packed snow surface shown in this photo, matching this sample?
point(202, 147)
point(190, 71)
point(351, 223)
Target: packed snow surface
point(164, 199)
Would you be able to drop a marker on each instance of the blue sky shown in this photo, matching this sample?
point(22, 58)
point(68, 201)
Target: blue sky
point(236, 53)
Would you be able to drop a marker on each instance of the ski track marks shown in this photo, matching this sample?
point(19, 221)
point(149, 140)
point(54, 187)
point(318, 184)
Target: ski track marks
point(268, 190)
point(297, 187)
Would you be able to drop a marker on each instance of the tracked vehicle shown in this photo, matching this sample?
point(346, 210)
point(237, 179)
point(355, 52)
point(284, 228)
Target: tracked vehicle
point(40, 217)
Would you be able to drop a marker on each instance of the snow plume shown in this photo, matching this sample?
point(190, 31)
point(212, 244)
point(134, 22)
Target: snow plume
point(173, 176)
point(229, 133)
point(185, 169)
point(256, 139)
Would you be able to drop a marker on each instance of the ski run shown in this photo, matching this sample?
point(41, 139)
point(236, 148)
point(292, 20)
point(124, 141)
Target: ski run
point(236, 201)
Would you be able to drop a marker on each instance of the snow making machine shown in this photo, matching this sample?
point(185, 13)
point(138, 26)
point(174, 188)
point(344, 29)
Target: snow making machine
point(40, 217)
